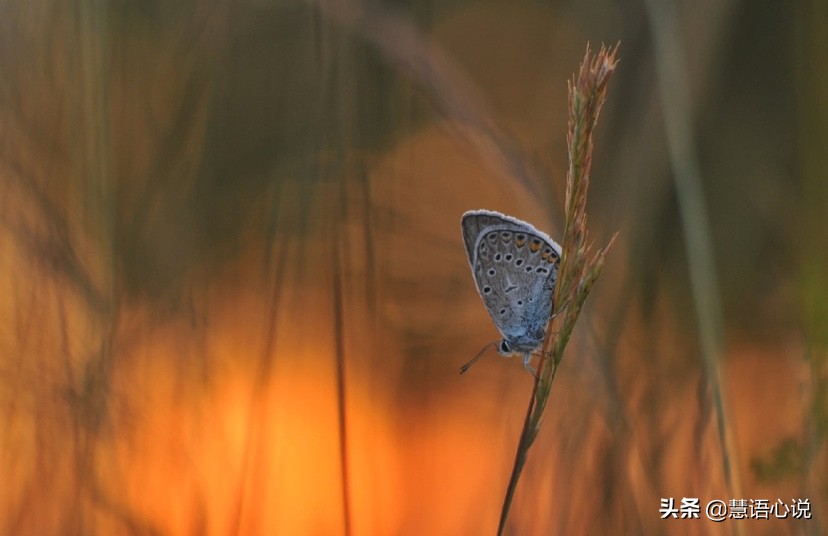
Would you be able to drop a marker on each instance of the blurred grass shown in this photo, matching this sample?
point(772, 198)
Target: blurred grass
point(811, 62)
point(671, 74)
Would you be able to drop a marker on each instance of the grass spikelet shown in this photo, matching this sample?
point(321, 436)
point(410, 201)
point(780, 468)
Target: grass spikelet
point(580, 266)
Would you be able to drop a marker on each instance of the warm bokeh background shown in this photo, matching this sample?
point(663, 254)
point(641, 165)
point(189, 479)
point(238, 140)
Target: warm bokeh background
point(235, 299)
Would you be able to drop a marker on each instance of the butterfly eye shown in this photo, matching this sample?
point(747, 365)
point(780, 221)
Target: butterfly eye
point(504, 347)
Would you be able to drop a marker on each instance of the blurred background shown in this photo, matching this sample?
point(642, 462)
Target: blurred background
point(235, 298)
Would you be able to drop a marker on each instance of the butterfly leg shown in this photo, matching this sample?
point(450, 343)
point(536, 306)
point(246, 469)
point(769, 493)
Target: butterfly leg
point(558, 310)
point(527, 362)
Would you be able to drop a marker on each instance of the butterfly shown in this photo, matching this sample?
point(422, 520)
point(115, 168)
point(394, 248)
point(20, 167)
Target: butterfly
point(515, 267)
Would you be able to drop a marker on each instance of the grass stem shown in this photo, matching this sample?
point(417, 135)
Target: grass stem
point(579, 267)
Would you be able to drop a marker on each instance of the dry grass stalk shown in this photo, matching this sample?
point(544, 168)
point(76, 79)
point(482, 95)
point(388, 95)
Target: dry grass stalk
point(580, 267)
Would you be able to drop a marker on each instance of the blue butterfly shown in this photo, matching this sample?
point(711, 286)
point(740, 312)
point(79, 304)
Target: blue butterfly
point(515, 267)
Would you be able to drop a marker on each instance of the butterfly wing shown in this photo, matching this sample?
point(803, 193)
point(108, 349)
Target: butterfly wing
point(515, 267)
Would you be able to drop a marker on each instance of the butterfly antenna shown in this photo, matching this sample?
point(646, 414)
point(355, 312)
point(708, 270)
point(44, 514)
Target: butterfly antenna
point(468, 365)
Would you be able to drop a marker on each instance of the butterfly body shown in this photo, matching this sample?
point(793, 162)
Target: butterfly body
point(515, 268)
